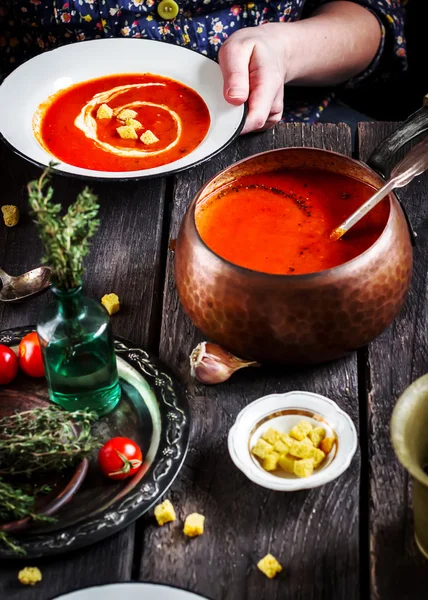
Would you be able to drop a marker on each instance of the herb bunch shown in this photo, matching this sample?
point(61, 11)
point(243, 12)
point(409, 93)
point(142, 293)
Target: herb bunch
point(65, 238)
point(44, 439)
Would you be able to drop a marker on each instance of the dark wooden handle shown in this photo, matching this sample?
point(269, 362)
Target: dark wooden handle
point(416, 124)
point(380, 159)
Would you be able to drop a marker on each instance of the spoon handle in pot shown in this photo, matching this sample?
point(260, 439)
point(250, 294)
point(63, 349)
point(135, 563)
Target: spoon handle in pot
point(414, 163)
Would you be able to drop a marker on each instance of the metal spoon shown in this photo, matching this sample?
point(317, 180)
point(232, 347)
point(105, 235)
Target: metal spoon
point(23, 286)
point(414, 163)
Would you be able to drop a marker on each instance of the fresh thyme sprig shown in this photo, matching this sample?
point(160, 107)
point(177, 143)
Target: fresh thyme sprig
point(65, 238)
point(9, 541)
point(16, 504)
point(44, 440)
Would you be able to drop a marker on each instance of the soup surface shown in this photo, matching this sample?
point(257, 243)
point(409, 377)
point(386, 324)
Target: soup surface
point(85, 125)
point(280, 222)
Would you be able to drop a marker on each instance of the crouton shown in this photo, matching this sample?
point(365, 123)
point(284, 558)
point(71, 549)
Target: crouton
point(286, 462)
point(10, 215)
point(29, 575)
point(111, 303)
point(317, 456)
point(316, 435)
point(301, 430)
point(282, 446)
point(271, 435)
point(269, 566)
point(327, 444)
point(149, 137)
point(164, 513)
point(301, 449)
point(127, 113)
point(304, 467)
point(104, 112)
point(127, 133)
point(262, 449)
point(286, 438)
point(270, 463)
point(194, 525)
point(133, 123)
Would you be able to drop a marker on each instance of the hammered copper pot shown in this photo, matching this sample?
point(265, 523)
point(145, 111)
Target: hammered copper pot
point(295, 319)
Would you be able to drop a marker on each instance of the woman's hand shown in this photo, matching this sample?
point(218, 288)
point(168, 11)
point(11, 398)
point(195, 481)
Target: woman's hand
point(253, 63)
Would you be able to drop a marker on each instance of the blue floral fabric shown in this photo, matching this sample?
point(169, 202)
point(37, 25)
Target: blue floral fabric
point(28, 27)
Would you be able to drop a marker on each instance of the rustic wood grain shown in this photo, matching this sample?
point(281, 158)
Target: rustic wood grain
point(314, 534)
point(395, 360)
point(126, 259)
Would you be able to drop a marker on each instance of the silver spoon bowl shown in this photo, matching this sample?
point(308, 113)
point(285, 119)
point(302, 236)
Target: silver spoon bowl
point(22, 286)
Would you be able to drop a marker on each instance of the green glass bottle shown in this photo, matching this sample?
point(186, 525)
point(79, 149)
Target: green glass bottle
point(78, 353)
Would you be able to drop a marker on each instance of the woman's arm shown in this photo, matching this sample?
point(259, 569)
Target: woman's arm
point(336, 43)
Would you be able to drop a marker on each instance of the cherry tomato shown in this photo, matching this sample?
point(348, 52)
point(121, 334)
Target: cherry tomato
point(120, 458)
point(8, 365)
point(30, 356)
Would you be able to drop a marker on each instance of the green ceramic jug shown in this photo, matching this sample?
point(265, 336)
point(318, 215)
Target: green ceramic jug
point(409, 433)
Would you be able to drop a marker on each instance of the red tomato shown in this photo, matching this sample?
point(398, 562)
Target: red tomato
point(30, 356)
point(120, 458)
point(8, 365)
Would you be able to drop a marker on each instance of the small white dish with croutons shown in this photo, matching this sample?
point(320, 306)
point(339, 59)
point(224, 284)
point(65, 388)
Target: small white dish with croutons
point(293, 441)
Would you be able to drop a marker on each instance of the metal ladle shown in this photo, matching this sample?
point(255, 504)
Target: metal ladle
point(22, 286)
point(414, 163)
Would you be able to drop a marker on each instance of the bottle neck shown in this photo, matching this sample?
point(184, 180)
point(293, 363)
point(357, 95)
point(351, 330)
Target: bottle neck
point(70, 302)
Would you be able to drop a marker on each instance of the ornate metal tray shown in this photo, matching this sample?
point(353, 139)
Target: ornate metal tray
point(154, 412)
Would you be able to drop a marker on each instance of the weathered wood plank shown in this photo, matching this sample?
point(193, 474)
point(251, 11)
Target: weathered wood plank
point(395, 360)
point(315, 533)
point(126, 259)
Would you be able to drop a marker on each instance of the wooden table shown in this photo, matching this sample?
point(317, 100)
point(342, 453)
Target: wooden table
point(350, 539)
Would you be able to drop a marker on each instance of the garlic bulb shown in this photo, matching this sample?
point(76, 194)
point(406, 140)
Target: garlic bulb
point(211, 364)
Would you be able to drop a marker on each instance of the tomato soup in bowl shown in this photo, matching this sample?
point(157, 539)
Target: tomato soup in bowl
point(280, 222)
point(257, 272)
point(122, 122)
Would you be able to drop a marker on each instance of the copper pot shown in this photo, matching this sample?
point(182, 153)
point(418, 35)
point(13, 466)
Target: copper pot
point(298, 319)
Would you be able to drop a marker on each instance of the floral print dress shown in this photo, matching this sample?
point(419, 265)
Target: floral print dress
point(28, 27)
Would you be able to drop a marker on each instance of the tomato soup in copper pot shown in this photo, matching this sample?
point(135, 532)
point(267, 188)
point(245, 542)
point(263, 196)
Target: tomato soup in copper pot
point(257, 273)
